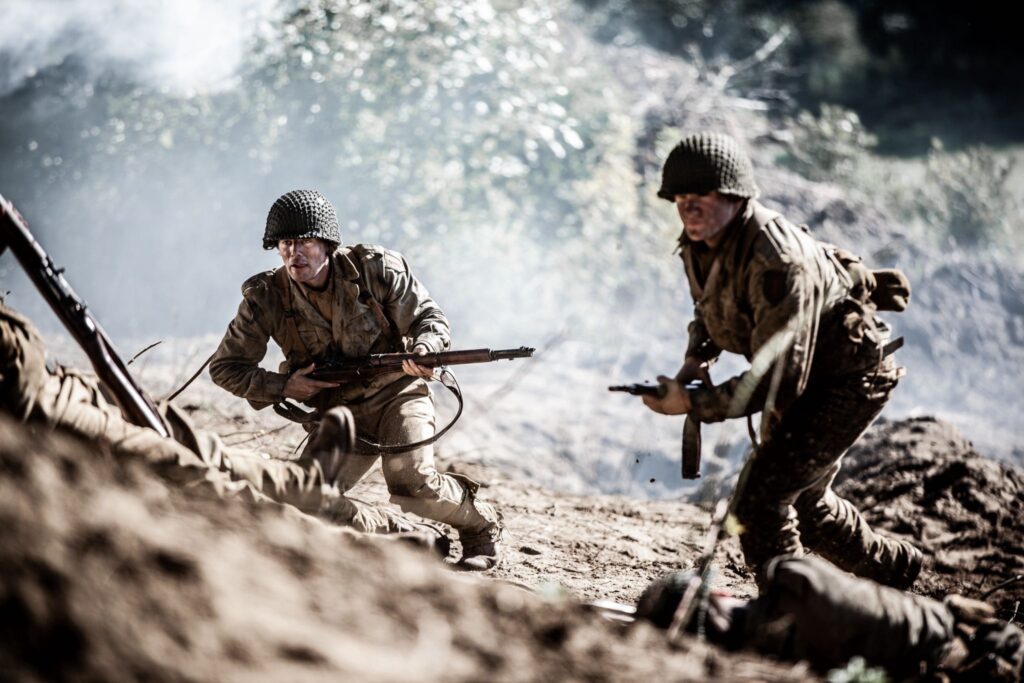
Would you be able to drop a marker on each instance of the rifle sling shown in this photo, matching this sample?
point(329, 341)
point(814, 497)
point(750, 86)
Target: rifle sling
point(290, 411)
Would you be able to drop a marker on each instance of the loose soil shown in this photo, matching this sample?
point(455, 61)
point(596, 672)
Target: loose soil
point(111, 575)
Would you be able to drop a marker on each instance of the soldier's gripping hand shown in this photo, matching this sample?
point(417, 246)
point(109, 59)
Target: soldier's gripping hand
point(676, 401)
point(302, 388)
point(415, 369)
point(694, 369)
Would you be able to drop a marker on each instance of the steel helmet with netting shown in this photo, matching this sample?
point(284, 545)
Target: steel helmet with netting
point(301, 214)
point(706, 162)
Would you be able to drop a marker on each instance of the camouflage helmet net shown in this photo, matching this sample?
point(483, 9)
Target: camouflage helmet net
point(301, 214)
point(658, 602)
point(703, 162)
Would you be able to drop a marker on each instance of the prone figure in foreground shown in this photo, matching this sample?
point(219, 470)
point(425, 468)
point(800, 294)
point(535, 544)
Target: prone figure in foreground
point(808, 610)
point(44, 394)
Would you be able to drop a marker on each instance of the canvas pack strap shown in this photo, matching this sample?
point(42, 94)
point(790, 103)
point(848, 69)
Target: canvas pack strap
point(367, 299)
point(293, 340)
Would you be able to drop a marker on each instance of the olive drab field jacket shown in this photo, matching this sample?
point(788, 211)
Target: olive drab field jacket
point(762, 293)
point(378, 306)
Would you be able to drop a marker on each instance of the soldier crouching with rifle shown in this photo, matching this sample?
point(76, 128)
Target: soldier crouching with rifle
point(348, 302)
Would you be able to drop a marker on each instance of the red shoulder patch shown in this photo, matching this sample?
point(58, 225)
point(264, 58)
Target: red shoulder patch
point(774, 286)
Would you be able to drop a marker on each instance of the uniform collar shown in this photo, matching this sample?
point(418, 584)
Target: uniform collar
point(346, 269)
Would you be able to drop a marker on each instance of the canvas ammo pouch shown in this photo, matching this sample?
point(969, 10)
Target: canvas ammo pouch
point(887, 288)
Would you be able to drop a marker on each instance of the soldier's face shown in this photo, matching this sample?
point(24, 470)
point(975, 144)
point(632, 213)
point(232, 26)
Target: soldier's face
point(705, 216)
point(305, 260)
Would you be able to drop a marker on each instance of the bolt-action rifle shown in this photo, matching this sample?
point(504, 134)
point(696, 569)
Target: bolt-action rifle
point(74, 314)
point(356, 369)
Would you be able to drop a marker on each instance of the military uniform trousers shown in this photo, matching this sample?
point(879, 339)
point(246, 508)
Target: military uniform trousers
point(402, 413)
point(787, 503)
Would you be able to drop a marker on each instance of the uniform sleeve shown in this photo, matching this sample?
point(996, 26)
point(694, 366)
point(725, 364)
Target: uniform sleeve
point(786, 300)
point(409, 306)
point(699, 344)
point(235, 364)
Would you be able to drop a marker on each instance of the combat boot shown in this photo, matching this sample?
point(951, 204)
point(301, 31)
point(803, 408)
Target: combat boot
point(479, 527)
point(481, 550)
point(334, 439)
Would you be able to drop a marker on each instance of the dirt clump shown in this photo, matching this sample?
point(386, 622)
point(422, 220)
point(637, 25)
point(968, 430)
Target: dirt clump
point(920, 479)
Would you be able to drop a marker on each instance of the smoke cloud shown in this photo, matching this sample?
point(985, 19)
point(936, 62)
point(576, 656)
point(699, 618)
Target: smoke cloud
point(183, 47)
point(511, 157)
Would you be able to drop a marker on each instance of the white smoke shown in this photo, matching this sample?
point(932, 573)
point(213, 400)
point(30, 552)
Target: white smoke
point(182, 47)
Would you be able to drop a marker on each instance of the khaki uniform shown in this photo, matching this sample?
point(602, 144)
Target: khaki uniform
point(38, 392)
point(342, 321)
point(780, 298)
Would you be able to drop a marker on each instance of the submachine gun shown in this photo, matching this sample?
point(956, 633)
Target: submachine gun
point(691, 425)
point(80, 323)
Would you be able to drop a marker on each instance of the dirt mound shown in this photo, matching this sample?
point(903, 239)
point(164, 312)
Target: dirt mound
point(922, 480)
point(109, 575)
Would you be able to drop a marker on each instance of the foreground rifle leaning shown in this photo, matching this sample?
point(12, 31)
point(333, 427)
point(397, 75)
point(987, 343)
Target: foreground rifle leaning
point(355, 369)
point(73, 313)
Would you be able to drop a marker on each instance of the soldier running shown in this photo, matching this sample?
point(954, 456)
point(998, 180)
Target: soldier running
point(352, 301)
point(803, 313)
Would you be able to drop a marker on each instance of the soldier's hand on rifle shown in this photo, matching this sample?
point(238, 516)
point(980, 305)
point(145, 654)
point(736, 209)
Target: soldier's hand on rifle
point(676, 401)
point(415, 369)
point(694, 369)
point(302, 388)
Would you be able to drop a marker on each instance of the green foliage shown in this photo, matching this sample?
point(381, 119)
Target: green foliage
point(967, 193)
point(827, 146)
point(857, 671)
point(828, 47)
point(964, 196)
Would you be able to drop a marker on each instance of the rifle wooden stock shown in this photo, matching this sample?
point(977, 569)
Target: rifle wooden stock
point(73, 313)
point(355, 369)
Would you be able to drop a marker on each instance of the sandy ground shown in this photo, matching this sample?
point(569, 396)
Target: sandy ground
point(111, 575)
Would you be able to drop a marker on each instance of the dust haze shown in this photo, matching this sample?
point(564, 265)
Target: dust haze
point(505, 151)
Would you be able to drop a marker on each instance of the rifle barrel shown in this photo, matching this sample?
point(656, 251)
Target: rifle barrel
point(639, 389)
point(351, 369)
point(461, 357)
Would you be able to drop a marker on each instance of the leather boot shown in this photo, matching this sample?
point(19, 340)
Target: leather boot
point(481, 550)
point(334, 439)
